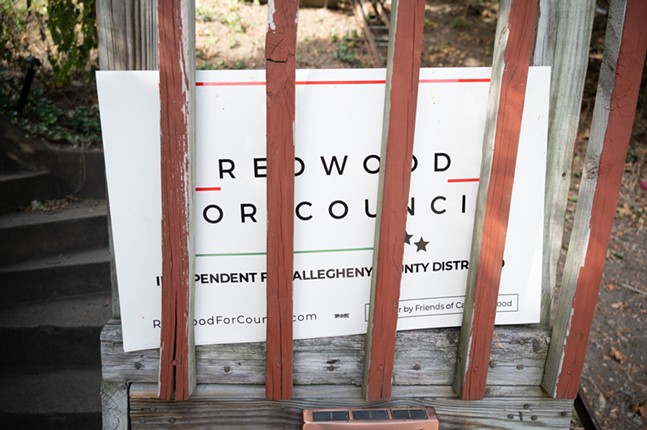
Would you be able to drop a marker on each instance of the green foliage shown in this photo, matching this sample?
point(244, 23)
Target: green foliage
point(72, 26)
point(13, 24)
point(77, 125)
point(345, 49)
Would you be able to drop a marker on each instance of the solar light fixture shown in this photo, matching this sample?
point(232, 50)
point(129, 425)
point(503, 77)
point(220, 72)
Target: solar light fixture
point(416, 418)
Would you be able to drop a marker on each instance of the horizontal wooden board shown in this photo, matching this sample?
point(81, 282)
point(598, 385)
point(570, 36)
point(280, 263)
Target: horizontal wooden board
point(203, 411)
point(423, 358)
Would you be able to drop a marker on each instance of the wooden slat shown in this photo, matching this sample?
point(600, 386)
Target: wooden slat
point(177, 82)
point(453, 414)
point(613, 116)
point(515, 36)
point(280, 62)
point(333, 393)
point(401, 98)
point(127, 34)
point(424, 360)
point(570, 29)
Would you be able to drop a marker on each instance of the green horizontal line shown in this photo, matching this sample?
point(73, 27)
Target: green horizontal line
point(315, 251)
point(308, 251)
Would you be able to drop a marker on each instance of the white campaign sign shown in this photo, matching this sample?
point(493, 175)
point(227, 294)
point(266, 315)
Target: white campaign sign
point(338, 134)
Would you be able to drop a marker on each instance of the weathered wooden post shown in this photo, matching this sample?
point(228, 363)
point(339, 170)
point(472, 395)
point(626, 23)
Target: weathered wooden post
point(127, 36)
point(401, 99)
point(513, 45)
point(280, 66)
point(176, 22)
point(568, 26)
point(613, 116)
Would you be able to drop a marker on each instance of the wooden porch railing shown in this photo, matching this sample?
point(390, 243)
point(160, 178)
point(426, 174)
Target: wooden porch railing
point(560, 32)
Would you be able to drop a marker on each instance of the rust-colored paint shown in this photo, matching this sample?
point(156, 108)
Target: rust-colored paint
point(174, 84)
point(280, 49)
point(395, 193)
point(523, 15)
point(611, 167)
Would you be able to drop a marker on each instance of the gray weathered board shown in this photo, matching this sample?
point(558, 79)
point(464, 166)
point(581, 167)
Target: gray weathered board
point(328, 372)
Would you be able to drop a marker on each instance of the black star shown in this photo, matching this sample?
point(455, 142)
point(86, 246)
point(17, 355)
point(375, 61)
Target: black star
point(421, 245)
point(407, 238)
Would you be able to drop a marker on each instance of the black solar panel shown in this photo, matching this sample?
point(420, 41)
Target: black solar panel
point(409, 414)
point(370, 415)
point(331, 416)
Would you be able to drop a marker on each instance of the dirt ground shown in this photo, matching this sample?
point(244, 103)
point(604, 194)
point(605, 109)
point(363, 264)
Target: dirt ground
point(230, 35)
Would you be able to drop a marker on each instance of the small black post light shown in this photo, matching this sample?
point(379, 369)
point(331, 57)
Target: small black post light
point(32, 63)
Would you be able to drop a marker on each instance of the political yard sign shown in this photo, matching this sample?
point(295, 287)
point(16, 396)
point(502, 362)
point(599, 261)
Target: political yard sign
point(337, 141)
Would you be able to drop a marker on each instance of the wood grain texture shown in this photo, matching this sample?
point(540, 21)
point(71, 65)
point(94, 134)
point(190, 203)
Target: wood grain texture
point(570, 29)
point(114, 405)
point(517, 22)
point(280, 63)
point(205, 412)
point(615, 106)
point(127, 34)
point(177, 81)
point(424, 360)
point(401, 98)
point(544, 49)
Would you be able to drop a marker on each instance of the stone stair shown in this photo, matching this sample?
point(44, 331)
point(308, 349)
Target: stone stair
point(55, 280)
point(55, 285)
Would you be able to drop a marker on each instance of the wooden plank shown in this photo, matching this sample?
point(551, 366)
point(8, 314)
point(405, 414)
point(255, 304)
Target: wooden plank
point(495, 413)
point(613, 115)
point(401, 99)
point(305, 392)
point(127, 34)
point(544, 49)
point(424, 358)
point(280, 63)
point(570, 29)
point(177, 82)
point(515, 36)
point(114, 405)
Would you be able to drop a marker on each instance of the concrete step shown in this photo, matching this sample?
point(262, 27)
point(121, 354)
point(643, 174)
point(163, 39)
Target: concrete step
point(20, 188)
point(78, 227)
point(50, 398)
point(52, 277)
point(61, 332)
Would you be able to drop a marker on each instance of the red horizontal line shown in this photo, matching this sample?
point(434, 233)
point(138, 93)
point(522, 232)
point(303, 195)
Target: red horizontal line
point(228, 84)
point(454, 81)
point(452, 181)
point(207, 189)
point(363, 82)
point(350, 82)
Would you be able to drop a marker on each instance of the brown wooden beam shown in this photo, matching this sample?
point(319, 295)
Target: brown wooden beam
point(177, 84)
point(513, 49)
point(401, 99)
point(280, 63)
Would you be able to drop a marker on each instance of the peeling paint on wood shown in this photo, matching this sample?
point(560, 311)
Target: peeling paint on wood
point(280, 49)
point(177, 82)
point(613, 116)
point(401, 98)
point(492, 213)
point(570, 29)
